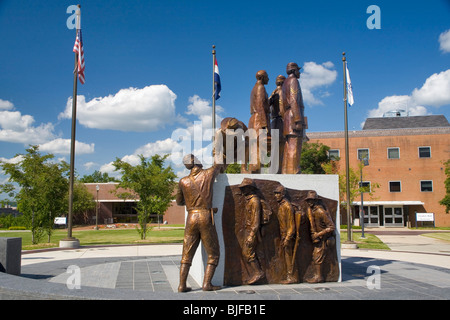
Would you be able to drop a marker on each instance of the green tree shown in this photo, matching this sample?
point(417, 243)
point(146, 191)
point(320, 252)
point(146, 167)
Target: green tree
point(83, 202)
point(43, 185)
point(98, 177)
point(332, 167)
point(233, 168)
point(446, 200)
point(313, 156)
point(151, 183)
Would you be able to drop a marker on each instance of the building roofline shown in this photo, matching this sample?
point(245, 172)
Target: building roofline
point(380, 132)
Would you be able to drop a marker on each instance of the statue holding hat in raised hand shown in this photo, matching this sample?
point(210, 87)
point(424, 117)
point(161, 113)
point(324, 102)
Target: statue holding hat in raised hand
point(195, 192)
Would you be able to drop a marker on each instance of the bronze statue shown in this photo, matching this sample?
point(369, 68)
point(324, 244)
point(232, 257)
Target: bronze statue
point(253, 210)
point(287, 232)
point(293, 120)
point(229, 128)
point(195, 192)
point(259, 120)
point(277, 113)
point(322, 233)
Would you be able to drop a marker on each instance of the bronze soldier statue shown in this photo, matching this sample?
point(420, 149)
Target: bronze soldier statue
point(276, 114)
point(287, 232)
point(195, 192)
point(253, 210)
point(293, 120)
point(259, 120)
point(322, 233)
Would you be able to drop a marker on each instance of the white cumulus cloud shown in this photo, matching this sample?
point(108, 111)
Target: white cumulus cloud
point(18, 128)
point(444, 41)
point(62, 146)
point(314, 77)
point(435, 92)
point(132, 109)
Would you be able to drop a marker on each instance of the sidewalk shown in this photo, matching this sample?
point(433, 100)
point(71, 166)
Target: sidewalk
point(150, 272)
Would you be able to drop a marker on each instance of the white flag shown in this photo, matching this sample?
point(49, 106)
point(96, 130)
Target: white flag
point(349, 87)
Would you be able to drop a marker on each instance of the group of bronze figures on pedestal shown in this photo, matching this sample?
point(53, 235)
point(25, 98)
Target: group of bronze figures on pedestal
point(282, 111)
point(272, 234)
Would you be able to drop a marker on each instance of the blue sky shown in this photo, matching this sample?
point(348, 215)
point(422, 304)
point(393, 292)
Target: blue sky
point(149, 68)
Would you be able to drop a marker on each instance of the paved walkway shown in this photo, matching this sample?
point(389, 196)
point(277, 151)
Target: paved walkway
point(416, 268)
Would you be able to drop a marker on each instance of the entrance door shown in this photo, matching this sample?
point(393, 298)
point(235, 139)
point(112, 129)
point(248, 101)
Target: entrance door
point(371, 217)
point(393, 216)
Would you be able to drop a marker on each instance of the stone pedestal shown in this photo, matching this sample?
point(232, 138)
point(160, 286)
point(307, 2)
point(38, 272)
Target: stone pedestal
point(325, 185)
point(70, 243)
point(10, 255)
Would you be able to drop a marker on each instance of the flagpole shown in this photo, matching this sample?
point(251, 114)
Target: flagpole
point(214, 92)
point(347, 168)
point(70, 241)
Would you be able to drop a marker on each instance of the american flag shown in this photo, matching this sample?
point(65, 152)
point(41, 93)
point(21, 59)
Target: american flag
point(78, 48)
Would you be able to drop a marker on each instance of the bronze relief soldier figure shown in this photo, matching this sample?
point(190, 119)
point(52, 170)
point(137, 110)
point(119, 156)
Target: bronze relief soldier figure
point(195, 192)
point(322, 233)
point(293, 120)
point(253, 209)
point(259, 120)
point(287, 232)
point(276, 114)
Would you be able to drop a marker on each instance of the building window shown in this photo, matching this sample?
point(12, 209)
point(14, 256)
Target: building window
point(333, 154)
point(365, 186)
point(363, 154)
point(426, 186)
point(393, 153)
point(424, 152)
point(395, 186)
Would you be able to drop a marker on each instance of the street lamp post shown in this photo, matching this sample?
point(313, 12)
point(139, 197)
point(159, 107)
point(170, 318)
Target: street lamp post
point(364, 162)
point(96, 209)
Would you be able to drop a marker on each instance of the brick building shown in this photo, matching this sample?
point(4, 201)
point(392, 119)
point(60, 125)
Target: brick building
point(405, 157)
point(112, 209)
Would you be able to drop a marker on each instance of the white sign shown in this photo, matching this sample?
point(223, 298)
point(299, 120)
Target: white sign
point(425, 216)
point(60, 220)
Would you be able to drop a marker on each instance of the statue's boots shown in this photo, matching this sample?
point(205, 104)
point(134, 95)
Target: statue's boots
point(184, 272)
point(209, 273)
point(318, 278)
point(258, 273)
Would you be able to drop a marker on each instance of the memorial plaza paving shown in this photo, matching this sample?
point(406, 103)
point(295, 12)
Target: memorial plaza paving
point(417, 267)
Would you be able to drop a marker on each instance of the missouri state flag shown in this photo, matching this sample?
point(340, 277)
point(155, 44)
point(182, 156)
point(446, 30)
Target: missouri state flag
point(217, 85)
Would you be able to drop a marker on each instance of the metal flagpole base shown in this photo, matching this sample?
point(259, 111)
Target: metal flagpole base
point(69, 243)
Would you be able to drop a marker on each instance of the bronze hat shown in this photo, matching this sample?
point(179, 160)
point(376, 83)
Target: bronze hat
point(311, 195)
point(292, 66)
point(247, 182)
point(279, 189)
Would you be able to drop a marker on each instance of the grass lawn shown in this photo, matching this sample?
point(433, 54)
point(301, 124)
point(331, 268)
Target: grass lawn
point(98, 237)
point(440, 236)
point(164, 235)
point(370, 241)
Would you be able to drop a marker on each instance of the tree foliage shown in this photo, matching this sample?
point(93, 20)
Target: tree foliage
point(43, 186)
point(98, 177)
point(150, 183)
point(314, 155)
point(446, 200)
point(355, 189)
